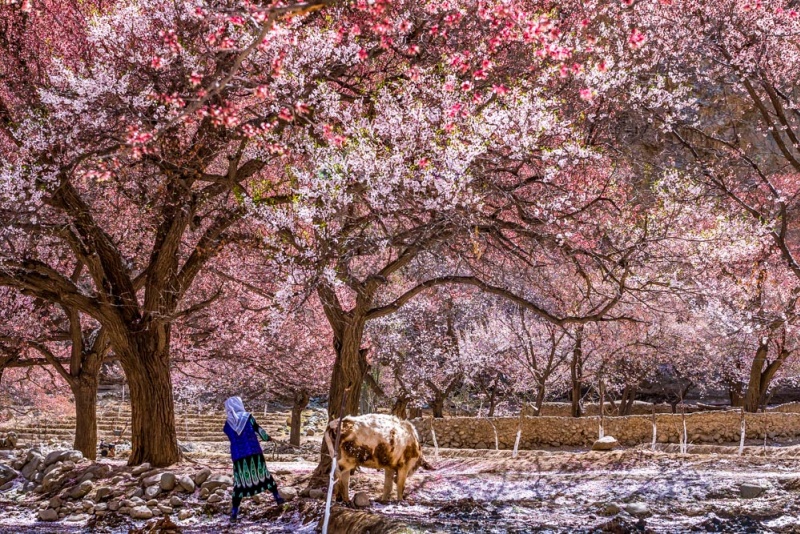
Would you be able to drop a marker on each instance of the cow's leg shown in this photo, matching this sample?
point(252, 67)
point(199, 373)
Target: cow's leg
point(344, 484)
point(401, 481)
point(387, 484)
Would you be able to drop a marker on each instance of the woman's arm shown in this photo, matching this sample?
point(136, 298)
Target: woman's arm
point(259, 431)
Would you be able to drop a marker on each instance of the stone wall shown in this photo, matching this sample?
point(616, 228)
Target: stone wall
point(704, 427)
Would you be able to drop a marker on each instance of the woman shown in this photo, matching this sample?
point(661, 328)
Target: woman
point(250, 473)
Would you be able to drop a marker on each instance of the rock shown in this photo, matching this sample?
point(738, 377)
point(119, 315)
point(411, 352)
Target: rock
point(55, 502)
point(609, 509)
point(164, 509)
point(361, 499)
point(791, 484)
point(167, 481)
point(141, 512)
point(48, 514)
point(102, 492)
point(214, 499)
point(751, 491)
point(637, 509)
point(87, 476)
point(52, 458)
point(137, 492)
point(152, 503)
point(78, 518)
point(217, 481)
point(101, 507)
point(7, 474)
point(175, 501)
point(310, 432)
point(152, 480)
point(32, 465)
point(288, 494)
point(81, 490)
point(316, 493)
point(185, 514)
point(186, 447)
point(152, 491)
point(145, 467)
point(114, 505)
point(204, 493)
point(606, 443)
point(202, 476)
point(186, 483)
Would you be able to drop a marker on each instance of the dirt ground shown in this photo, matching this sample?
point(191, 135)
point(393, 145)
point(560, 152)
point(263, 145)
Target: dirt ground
point(632, 490)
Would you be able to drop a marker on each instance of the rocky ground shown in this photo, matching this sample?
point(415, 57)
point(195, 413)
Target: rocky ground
point(470, 491)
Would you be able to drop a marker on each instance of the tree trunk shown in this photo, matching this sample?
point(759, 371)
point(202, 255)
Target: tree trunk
point(492, 402)
point(415, 412)
point(735, 394)
point(301, 399)
point(576, 370)
point(153, 435)
point(400, 408)
point(540, 394)
point(84, 389)
point(760, 378)
point(437, 406)
point(626, 402)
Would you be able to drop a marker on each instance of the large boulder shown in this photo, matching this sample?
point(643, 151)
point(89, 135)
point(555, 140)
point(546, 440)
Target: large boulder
point(606, 443)
point(81, 490)
point(186, 483)
point(167, 481)
point(68, 455)
point(32, 466)
point(202, 476)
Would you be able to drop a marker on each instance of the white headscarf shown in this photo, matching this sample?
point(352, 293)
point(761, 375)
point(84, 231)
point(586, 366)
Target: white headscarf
point(237, 417)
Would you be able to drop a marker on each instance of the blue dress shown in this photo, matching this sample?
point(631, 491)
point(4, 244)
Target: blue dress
point(250, 473)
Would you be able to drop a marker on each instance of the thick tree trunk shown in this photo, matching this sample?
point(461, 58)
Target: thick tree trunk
point(85, 391)
point(301, 399)
point(761, 375)
point(400, 408)
point(415, 412)
point(492, 402)
point(153, 435)
point(576, 370)
point(626, 402)
point(437, 406)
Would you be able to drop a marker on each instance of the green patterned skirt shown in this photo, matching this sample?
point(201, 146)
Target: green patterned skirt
point(251, 476)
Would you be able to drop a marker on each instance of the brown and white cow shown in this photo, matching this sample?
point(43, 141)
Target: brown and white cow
point(378, 441)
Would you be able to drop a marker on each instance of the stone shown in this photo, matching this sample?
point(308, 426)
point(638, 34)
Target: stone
point(637, 509)
point(606, 443)
point(102, 492)
point(185, 514)
point(186, 483)
point(7, 474)
point(310, 432)
point(81, 490)
point(217, 481)
point(751, 491)
point(101, 507)
point(167, 481)
point(137, 492)
point(141, 512)
point(55, 502)
point(609, 509)
point(204, 493)
point(164, 509)
point(152, 491)
point(78, 518)
point(316, 493)
point(186, 447)
point(152, 480)
point(141, 469)
point(202, 476)
point(48, 514)
point(152, 503)
point(32, 466)
point(361, 499)
point(175, 501)
point(87, 476)
point(214, 499)
point(114, 505)
point(288, 494)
